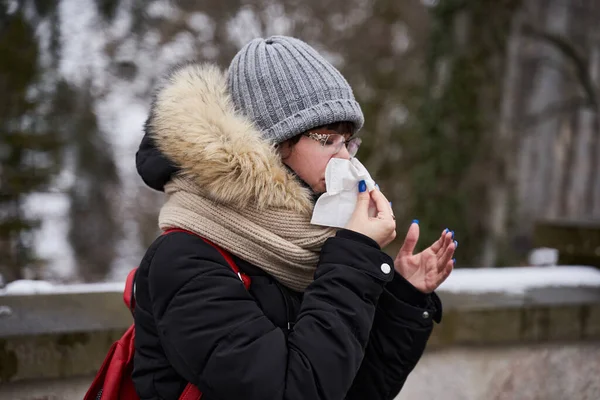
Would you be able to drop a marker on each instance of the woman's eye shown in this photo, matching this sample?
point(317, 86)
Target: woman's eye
point(334, 140)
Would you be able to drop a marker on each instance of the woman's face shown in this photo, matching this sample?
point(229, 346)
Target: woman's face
point(310, 155)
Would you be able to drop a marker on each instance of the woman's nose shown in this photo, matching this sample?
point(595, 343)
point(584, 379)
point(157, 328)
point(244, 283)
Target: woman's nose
point(343, 153)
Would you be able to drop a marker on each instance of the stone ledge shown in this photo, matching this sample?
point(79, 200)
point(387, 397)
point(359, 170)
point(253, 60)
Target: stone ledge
point(510, 325)
point(47, 389)
point(62, 355)
point(67, 335)
point(62, 313)
point(549, 371)
point(535, 297)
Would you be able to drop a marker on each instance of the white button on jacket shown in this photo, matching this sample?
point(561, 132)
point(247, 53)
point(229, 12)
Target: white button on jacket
point(385, 268)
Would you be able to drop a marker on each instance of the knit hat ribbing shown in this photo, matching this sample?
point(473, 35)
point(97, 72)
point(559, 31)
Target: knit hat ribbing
point(285, 87)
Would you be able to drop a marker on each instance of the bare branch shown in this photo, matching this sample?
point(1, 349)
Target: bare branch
point(554, 110)
point(568, 49)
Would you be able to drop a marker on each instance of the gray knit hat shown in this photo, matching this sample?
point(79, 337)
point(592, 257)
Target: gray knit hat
point(285, 87)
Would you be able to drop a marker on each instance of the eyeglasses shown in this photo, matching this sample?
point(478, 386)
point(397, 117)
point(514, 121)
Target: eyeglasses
point(332, 143)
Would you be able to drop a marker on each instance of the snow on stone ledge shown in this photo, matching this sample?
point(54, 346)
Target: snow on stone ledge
point(514, 280)
point(29, 287)
point(517, 280)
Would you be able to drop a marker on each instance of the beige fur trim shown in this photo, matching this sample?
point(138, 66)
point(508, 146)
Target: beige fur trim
point(194, 123)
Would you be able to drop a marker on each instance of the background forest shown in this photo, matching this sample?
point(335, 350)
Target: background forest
point(481, 116)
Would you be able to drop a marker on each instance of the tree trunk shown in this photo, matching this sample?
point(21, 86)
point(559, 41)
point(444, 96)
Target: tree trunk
point(592, 205)
point(538, 185)
point(500, 190)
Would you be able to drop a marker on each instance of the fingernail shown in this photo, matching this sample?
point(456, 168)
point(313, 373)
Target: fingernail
point(454, 261)
point(390, 203)
point(455, 244)
point(445, 231)
point(362, 186)
point(415, 221)
point(377, 186)
point(452, 234)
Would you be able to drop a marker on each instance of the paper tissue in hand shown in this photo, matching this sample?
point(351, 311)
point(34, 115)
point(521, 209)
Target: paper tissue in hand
point(335, 207)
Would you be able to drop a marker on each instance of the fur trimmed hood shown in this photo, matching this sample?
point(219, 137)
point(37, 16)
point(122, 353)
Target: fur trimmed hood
point(193, 122)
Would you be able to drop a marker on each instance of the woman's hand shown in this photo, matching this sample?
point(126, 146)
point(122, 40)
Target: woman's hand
point(427, 270)
point(382, 227)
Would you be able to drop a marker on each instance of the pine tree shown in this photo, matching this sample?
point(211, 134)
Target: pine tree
point(94, 230)
point(29, 150)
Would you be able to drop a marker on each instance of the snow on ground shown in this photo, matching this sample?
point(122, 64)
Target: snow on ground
point(51, 241)
point(514, 280)
point(517, 280)
point(28, 287)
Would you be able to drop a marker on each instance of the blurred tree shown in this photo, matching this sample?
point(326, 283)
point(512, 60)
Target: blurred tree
point(556, 170)
point(95, 230)
point(29, 149)
point(460, 131)
point(49, 125)
point(564, 107)
point(458, 157)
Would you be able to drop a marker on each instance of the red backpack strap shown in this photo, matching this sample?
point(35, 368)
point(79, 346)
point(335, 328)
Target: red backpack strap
point(243, 277)
point(191, 392)
point(129, 292)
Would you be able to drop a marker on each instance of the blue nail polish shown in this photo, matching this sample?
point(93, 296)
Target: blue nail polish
point(377, 186)
point(455, 244)
point(452, 234)
point(415, 221)
point(454, 261)
point(362, 186)
point(445, 231)
point(390, 203)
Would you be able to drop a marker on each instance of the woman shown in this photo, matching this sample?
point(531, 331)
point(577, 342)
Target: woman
point(242, 156)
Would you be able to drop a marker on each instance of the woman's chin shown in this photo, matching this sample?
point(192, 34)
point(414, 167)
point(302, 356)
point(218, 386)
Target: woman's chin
point(320, 188)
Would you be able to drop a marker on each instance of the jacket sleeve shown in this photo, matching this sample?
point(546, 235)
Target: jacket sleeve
point(215, 335)
point(402, 326)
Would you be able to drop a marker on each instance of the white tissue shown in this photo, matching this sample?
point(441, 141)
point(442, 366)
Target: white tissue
point(335, 207)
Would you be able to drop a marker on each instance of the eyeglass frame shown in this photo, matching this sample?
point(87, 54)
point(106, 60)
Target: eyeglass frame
point(322, 138)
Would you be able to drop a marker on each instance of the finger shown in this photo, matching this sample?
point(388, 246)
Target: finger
point(447, 271)
point(382, 204)
point(363, 199)
point(437, 245)
point(442, 246)
point(446, 240)
point(411, 239)
point(446, 257)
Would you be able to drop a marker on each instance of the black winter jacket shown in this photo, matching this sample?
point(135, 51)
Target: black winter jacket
point(355, 333)
point(356, 329)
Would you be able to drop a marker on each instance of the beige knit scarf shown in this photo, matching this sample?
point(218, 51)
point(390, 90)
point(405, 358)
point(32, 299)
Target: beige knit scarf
point(281, 242)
